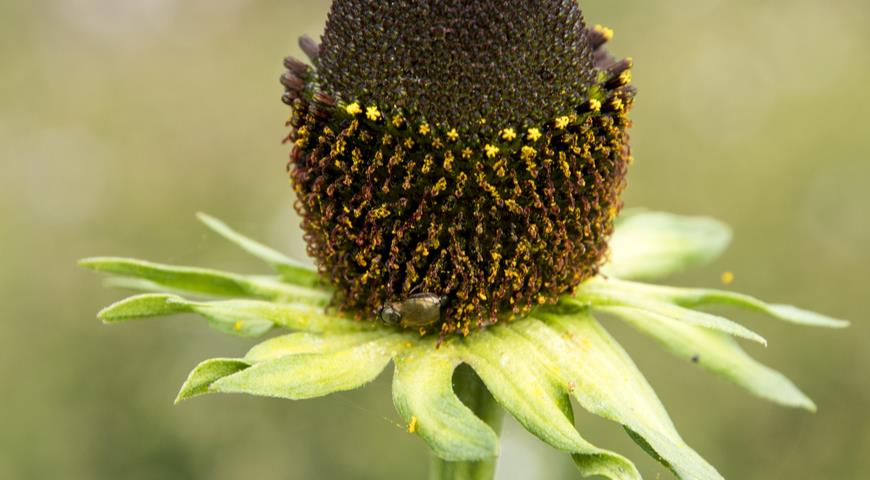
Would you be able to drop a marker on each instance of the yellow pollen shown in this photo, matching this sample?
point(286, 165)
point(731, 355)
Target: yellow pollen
point(482, 121)
point(562, 122)
point(607, 33)
point(625, 77)
point(595, 105)
point(424, 129)
point(727, 278)
point(453, 135)
point(237, 326)
point(491, 150)
point(617, 104)
point(353, 109)
point(412, 427)
point(373, 113)
point(534, 134)
point(508, 134)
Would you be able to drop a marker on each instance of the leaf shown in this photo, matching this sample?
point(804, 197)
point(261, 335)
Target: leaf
point(527, 385)
point(423, 394)
point(608, 384)
point(203, 281)
point(717, 353)
point(311, 375)
point(606, 293)
point(206, 373)
point(651, 245)
point(291, 271)
point(698, 297)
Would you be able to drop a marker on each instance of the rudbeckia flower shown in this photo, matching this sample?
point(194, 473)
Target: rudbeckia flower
point(458, 167)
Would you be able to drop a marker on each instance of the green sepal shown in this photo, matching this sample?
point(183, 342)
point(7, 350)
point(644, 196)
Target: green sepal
point(424, 397)
point(311, 375)
point(598, 293)
point(291, 271)
point(717, 353)
point(652, 245)
point(528, 385)
point(202, 281)
point(206, 373)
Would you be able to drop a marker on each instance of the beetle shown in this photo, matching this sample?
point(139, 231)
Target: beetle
point(419, 310)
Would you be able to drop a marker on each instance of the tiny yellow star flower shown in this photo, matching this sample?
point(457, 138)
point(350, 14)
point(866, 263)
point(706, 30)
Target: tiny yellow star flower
point(508, 134)
point(373, 113)
point(534, 134)
point(353, 109)
point(491, 150)
point(562, 122)
point(607, 33)
point(595, 105)
point(453, 135)
point(424, 129)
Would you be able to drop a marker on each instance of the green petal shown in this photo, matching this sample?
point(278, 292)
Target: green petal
point(291, 271)
point(206, 373)
point(608, 384)
point(311, 375)
point(304, 342)
point(529, 386)
point(607, 293)
point(717, 353)
point(201, 281)
point(153, 305)
point(698, 297)
point(287, 315)
point(424, 397)
point(652, 245)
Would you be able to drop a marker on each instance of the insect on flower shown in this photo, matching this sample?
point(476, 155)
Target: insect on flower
point(419, 310)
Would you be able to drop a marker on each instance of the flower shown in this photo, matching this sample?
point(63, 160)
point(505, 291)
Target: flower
point(529, 367)
point(521, 219)
point(464, 161)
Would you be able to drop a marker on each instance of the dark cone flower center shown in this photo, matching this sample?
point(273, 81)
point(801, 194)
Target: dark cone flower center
point(457, 162)
point(454, 62)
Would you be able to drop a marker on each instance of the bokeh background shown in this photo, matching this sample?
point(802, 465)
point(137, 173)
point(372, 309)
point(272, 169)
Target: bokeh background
point(119, 119)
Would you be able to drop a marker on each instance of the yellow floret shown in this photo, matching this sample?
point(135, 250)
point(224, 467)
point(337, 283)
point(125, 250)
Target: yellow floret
point(373, 113)
point(353, 109)
point(534, 134)
point(491, 150)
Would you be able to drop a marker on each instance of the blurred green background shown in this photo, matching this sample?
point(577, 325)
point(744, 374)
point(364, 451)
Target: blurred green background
point(120, 119)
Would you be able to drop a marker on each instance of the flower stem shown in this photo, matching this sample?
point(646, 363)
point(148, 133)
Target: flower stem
point(471, 390)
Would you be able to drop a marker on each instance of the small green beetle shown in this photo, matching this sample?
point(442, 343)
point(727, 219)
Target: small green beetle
point(419, 310)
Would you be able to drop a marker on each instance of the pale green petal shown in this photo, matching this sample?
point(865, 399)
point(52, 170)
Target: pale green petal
point(717, 353)
point(158, 304)
point(247, 318)
point(291, 271)
point(607, 383)
point(423, 396)
point(311, 375)
point(287, 315)
point(201, 281)
point(206, 373)
point(699, 297)
point(652, 245)
point(531, 388)
point(608, 293)
point(305, 342)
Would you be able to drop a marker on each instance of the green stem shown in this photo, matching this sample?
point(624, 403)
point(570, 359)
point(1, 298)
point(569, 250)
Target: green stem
point(473, 393)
